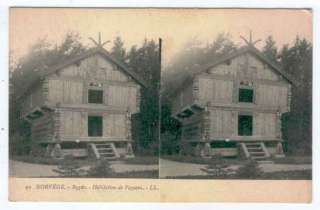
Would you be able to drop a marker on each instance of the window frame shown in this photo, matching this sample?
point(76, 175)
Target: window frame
point(248, 87)
point(88, 125)
point(92, 86)
point(245, 115)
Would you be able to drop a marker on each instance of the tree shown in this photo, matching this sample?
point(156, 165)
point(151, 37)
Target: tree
point(270, 49)
point(297, 60)
point(170, 131)
point(25, 71)
point(118, 51)
point(41, 56)
point(145, 62)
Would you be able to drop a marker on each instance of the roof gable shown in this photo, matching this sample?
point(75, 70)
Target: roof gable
point(99, 50)
point(252, 50)
point(188, 76)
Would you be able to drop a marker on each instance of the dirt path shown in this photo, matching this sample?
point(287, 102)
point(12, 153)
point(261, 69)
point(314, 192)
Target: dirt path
point(174, 168)
point(166, 168)
point(284, 167)
point(23, 169)
point(169, 168)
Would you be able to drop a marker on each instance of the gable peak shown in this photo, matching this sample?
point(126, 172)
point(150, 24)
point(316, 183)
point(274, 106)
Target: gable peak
point(250, 42)
point(98, 43)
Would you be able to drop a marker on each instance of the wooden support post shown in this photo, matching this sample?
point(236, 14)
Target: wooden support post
point(128, 122)
point(278, 125)
point(48, 150)
point(279, 151)
point(206, 149)
point(197, 150)
point(56, 125)
point(57, 152)
point(129, 153)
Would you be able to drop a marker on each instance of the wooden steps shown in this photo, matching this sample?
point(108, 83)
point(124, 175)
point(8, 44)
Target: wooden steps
point(104, 151)
point(256, 151)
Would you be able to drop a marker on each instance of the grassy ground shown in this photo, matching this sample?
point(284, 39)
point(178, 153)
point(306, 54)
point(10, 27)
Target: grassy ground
point(35, 160)
point(282, 175)
point(137, 174)
point(294, 160)
point(248, 169)
point(154, 174)
point(143, 160)
point(26, 166)
point(48, 161)
point(236, 161)
point(204, 161)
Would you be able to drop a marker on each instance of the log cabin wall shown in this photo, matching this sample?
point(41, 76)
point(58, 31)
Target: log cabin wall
point(74, 125)
point(70, 85)
point(224, 125)
point(68, 92)
point(222, 82)
point(65, 93)
point(218, 89)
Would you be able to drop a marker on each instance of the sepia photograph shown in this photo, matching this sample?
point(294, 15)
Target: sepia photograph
point(83, 102)
point(237, 96)
point(144, 104)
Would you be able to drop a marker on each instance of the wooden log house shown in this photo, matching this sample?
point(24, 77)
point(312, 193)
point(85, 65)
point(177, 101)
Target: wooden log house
point(233, 106)
point(83, 107)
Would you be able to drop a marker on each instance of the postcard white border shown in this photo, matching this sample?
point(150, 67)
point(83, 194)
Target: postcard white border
point(4, 5)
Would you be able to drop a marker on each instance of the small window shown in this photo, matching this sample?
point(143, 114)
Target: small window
point(228, 62)
point(245, 95)
point(95, 126)
point(245, 125)
point(95, 96)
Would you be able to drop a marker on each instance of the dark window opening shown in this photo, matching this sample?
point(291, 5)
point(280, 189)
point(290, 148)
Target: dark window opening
point(245, 95)
point(245, 125)
point(95, 126)
point(95, 96)
point(228, 62)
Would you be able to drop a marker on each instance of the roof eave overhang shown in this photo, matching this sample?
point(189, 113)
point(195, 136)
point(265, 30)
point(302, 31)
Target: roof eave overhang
point(106, 55)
